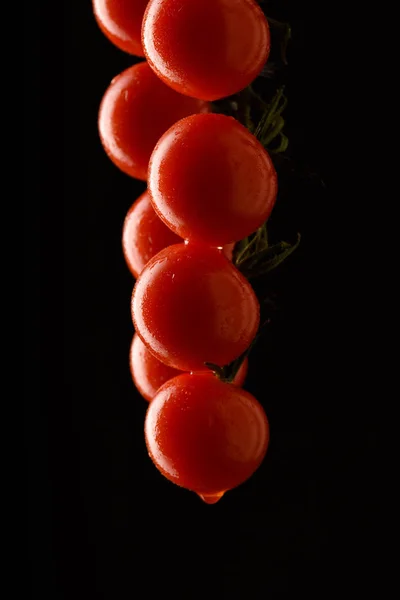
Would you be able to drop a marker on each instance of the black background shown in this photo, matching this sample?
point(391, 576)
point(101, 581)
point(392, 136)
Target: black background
point(103, 522)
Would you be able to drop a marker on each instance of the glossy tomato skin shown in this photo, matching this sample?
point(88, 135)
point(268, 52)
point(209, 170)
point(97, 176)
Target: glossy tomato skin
point(228, 251)
point(190, 306)
point(149, 374)
point(211, 181)
point(135, 111)
point(205, 435)
point(207, 49)
point(121, 23)
point(144, 235)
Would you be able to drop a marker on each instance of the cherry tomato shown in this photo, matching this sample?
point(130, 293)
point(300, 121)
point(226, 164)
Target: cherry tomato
point(211, 181)
point(207, 49)
point(228, 250)
point(205, 435)
point(149, 374)
point(136, 110)
point(144, 235)
point(190, 306)
point(121, 22)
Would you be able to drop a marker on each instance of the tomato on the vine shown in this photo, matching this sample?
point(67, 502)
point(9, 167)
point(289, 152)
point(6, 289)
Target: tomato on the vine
point(211, 180)
point(228, 251)
point(191, 306)
point(144, 235)
point(136, 110)
point(149, 374)
point(207, 49)
point(206, 435)
point(121, 22)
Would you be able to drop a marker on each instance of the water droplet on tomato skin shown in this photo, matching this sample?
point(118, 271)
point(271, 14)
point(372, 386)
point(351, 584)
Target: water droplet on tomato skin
point(211, 498)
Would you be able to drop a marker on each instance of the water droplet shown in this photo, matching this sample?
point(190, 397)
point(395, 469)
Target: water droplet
point(211, 498)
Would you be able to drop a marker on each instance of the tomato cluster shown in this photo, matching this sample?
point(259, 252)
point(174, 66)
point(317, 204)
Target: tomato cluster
point(210, 183)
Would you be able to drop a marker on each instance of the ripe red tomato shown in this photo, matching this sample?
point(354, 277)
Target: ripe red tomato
point(144, 235)
point(207, 49)
point(205, 435)
point(121, 22)
point(149, 374)
point(190, 306)
point(136, 110)
point(211, 181)
point(228, 251)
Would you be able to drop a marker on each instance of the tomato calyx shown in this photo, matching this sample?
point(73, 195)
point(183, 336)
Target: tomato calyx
point(228, 373)
point(254, 257)
point(272, 123)
point(249, 108)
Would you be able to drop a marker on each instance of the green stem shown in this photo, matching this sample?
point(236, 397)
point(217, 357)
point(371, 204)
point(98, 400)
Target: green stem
point(240, 257)
point(268, 260)
point(271, 123)
point(283, 144)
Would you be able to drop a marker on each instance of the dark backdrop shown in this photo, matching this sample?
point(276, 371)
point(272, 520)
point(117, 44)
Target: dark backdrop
point(103, 522)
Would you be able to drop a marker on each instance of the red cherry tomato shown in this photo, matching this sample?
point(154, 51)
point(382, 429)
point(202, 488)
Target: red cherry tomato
point(136, 110)
point(211, 181)
point(144, 235)
point(228, 251)
point(206, 49)
point(121, 22)
point(205, 435)
point(149, 374)
point(190, 306)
